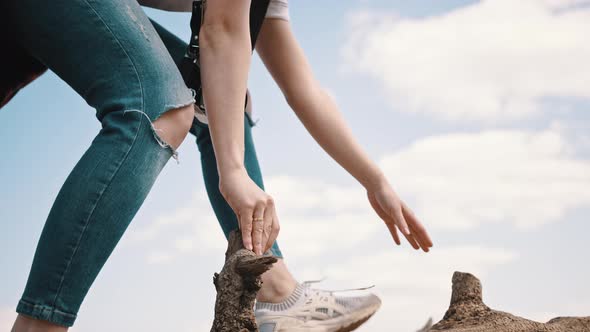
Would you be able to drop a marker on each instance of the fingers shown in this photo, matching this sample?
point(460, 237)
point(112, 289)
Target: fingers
point(245, 220)
point(400, 220)
point(419, 240)
point(407, 234)
point(400, 216)
point(412, 241)
point(258, 228)
point(276, 227)
point(411, 228)
point(393, 232)
point(273, 232)
point(417, 236)
point(266, 228)
point(253, 207)
point(418, 230)
point(264, 225)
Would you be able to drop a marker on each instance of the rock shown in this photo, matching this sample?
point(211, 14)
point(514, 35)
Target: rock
point(468, 313)
point(426, 326)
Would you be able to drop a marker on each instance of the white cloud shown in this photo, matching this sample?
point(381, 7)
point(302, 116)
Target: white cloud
point(296, 195)
point(463, 180)
point(490, 61)
point(195, 211)
point(426, 273)
point(317, 216)
point(190, 229)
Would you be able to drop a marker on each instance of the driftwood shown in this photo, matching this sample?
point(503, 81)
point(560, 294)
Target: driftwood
point(468, 313)
point(237, 285)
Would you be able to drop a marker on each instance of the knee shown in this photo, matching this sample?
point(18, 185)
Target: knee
point(174, 125)
point(183, 118)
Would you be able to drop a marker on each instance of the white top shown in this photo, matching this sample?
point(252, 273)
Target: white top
point(278, 9)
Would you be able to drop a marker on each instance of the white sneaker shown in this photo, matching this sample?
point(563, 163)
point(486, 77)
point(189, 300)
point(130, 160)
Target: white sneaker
point(309, 309)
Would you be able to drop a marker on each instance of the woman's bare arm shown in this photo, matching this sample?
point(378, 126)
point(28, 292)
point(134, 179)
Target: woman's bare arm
point(316, 109)
point(285, 60)
point(225, 54)
point(225, 61)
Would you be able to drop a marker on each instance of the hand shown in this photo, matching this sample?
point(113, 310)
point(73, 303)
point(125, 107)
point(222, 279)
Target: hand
point(249, 203)
point(396, 213)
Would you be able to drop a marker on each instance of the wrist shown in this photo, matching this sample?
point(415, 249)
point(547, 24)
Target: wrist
point(234, 169)
point(375, 181)
point(229, 177)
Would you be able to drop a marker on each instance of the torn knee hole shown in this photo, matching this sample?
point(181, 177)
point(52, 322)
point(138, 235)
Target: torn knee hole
point(170, 128)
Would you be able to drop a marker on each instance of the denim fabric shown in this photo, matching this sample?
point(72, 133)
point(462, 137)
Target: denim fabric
point(107, 51)
point(225, 215)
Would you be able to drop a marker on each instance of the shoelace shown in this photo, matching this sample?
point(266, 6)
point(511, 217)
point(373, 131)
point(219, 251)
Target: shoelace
point(307, 286)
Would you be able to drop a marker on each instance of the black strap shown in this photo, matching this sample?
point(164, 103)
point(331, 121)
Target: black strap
point(190, 67)
point(258, 10)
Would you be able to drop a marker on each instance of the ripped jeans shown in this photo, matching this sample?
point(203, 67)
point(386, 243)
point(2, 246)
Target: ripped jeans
point(112, 55)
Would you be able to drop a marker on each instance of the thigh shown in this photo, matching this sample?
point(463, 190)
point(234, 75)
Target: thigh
point(176, 47)
point(107, 50)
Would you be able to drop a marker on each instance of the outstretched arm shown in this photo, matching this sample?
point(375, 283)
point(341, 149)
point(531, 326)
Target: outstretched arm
point(225, 54)
point(285, 60)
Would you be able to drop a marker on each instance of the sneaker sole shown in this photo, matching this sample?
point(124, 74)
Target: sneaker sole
point(355, 325)
point(344, 326)
point(368, 313)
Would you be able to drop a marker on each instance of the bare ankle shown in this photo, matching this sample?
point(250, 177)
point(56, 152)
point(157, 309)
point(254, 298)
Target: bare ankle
point(277, 284)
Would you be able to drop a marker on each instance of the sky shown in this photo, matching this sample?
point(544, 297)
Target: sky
point(477, 112)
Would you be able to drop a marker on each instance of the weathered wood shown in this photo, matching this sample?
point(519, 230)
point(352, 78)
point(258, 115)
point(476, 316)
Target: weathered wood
point(237, 285)
point(468, 313)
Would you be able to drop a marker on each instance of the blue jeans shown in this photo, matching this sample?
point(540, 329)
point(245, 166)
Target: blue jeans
point(108, 52)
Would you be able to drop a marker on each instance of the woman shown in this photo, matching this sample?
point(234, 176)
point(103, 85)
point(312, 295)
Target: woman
point(282, 303)
point(281, 295)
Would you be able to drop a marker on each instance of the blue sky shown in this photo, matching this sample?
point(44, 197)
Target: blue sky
point(476, 110)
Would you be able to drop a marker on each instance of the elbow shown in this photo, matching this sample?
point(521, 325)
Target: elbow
point(213, 35)
point(219, 31)
point(215, 26)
